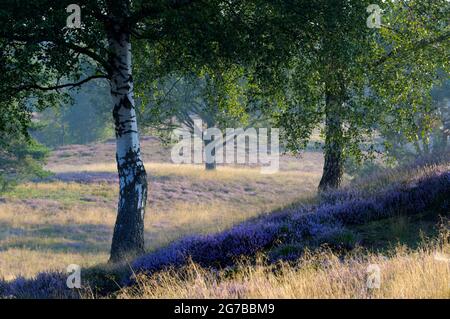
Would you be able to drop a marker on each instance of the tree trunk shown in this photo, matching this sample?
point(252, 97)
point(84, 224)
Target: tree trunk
point(209, 141)
point(333, 167)
point(128, 237)
point(210, 162)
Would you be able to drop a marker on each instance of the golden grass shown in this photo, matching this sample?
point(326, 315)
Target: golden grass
point(404, 274)
point(25, 262)
point(21, 215)
point(202, 218)
point(50, 225)
point(404, 175)
point(52, 187)
point(187, 170)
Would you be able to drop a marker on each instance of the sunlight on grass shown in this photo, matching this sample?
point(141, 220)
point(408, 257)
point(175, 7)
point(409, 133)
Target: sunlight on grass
point(323, 274)
point(25, 262)
point(189, 218)
point(188, 170)
point(58, 223)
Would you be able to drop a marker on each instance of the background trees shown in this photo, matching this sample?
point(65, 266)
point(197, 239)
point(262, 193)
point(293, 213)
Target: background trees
point(218, 98)
point(84, 119)
point(21, 159)
point(306, 64)
point(350, 81)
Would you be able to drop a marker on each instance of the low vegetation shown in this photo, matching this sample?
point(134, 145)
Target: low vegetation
point(404, 273)
point(279, 246)
point(68, 218)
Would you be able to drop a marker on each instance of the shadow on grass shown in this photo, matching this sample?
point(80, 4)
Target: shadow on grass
point(410, 231)
point(57, 238)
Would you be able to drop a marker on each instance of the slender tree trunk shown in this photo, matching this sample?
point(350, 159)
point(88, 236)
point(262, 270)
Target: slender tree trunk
point(210, 157)
point(333, 167)
point(128, 237)
point(210, 163)
point(63, 134)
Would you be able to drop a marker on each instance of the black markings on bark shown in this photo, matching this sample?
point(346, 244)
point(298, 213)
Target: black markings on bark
point(123, 126)
point(128, 238)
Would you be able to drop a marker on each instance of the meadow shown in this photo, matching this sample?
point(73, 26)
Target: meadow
point(69, 218)
point(359, 92)
point(230, 233)
point(321, 274)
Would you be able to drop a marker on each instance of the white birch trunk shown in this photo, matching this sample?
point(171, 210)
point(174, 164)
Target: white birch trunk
point(128, 237)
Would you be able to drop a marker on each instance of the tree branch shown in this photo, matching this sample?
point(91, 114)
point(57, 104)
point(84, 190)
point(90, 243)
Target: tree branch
point(417, 46)
point(79, 49)
point(60, 86)
point(89, 53)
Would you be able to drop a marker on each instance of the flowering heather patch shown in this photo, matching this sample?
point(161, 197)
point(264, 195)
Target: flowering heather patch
point(315, 223)
point(47, 285)
point(310, 225)
point(219, 249)
point(388, 180)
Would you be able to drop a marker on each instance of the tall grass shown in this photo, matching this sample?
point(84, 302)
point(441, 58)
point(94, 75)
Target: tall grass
point(322, 274)
point(47, 225)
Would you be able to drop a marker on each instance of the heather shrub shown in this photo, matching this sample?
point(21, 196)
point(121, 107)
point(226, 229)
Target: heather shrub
point(284, 234)
point(319, 273)
point(309, 226)
point(47, 285)
point(390, 179)
point(215, 250)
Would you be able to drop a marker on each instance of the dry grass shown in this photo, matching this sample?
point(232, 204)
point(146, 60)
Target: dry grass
point(49, 225)
point(323, 274)
point(186, 170)
point(29, 262)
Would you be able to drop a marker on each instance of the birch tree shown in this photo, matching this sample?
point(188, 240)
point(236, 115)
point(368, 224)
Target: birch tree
point(216, 97)
point(45, 45)
point(348, 77)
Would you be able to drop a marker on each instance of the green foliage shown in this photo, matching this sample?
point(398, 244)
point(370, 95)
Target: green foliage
point(218, 98)
point(432, 130)
point(381, 77)
point(21, 158)
point(41, 57)
point(411, 231)
point(278, 58)
point(39, 53)
point(83, 120)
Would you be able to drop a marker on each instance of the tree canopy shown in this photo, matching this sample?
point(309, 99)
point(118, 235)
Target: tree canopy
point(308, 64)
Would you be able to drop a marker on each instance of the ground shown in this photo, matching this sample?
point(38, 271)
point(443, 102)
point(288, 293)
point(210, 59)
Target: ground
point(69, 218)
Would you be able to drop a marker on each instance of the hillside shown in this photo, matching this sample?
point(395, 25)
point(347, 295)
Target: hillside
point(69, 217)
point(397, 219)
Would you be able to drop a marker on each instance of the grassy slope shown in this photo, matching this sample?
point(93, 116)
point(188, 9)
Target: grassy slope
point(71, 222)
point(409, 247)
point(47, 225)
point(321, 274)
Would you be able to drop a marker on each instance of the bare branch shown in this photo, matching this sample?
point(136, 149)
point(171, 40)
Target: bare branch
point(60, 86)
